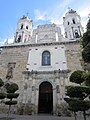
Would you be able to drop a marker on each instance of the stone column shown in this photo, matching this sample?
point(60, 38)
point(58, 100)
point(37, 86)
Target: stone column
point(79, 30)
point(54, 100)
point(22, 36)
point(56, 36)
point(29, 90)
point(33, 95)
point(33, 90)
point(72, 32)
point(36, 37)
point(57, 87)
point(16, 37)
point(36, 101)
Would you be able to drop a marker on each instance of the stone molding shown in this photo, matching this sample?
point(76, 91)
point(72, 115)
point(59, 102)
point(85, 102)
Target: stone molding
point(39, 44)
point(46, 72)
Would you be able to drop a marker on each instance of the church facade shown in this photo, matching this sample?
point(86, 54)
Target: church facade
point(41, 60)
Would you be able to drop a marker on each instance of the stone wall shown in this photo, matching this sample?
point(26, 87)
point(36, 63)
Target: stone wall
point(73, 55)
point(18, 55)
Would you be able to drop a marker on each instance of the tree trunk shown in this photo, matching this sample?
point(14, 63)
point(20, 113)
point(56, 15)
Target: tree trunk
point(9, 111)
point(75, 115)
point(84, 115)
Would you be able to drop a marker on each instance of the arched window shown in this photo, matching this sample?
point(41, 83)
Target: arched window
point(22, 26)
point(73, 21)
point(19, 39)
point(46, 58)
point(68, 23)
point(27, 27)
point(76, 34)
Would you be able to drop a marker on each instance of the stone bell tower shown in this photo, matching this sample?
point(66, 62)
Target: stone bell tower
point(72, 25)
point(24, 30)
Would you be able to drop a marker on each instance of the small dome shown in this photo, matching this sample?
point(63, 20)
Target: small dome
point(25, 17)
point(72, 11)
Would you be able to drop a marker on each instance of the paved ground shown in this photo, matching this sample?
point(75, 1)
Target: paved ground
point(42, 117)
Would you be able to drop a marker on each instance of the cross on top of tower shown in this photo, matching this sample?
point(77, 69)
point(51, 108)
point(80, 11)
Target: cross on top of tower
point(68, 8)
point(27, 14)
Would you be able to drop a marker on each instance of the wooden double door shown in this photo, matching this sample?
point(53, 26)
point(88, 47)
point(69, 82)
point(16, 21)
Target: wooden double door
point(45, 104)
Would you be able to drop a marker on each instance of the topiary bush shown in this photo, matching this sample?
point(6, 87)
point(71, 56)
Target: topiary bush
point(1, 82)
point(86, 53)
point(77, 77)
point(11, 88)
point(2, 95)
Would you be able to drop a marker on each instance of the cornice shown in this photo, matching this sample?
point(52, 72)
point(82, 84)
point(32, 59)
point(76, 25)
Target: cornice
point(39, 44)
point(46, 72)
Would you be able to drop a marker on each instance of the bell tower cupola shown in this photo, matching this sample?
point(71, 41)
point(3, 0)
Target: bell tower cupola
point(72, 25)
point(24, 30)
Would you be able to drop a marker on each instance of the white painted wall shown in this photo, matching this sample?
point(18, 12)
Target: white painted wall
point(58, 59)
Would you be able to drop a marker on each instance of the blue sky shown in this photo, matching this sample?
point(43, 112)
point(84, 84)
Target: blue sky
point(40, 11)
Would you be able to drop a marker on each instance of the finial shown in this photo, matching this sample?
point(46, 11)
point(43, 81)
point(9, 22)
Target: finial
point(6, 42)
point(68, 8)
point(27, 13)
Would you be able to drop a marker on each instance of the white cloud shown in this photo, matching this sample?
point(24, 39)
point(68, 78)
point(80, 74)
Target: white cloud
point(53, 14)
point(8, 40)
point(84, 11)
point(58, 19)
point(39, 14)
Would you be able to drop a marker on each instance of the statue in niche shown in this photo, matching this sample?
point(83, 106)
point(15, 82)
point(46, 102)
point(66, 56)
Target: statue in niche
point(57, 89)
point(9, 73)
point(25, 86)
point(11, 66)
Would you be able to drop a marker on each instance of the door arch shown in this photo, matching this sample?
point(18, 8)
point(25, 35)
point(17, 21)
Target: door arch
point(45, 104)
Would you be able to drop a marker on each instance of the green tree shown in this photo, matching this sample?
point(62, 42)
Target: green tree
point(86, 53)
point(1, 82)
point(87, 78)
point(88, 25)
point(85, 41)
point(2, 95)
point(11, 88)
point(86, 36)
point(77, 77)
point(76, 105)
point(78, 94)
